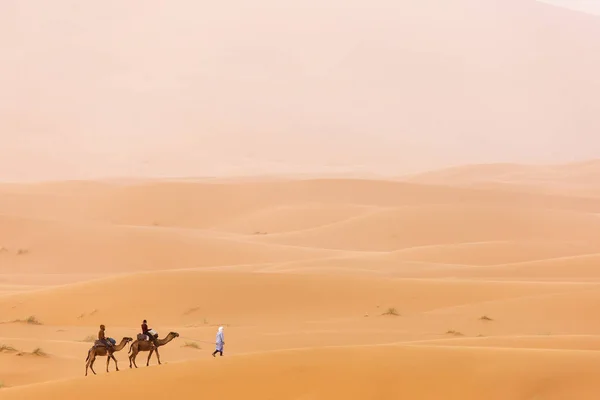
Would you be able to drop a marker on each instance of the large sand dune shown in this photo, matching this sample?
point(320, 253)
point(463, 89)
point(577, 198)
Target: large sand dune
point(325, 286)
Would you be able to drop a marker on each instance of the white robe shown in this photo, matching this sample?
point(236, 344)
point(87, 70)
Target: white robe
point(220, 341)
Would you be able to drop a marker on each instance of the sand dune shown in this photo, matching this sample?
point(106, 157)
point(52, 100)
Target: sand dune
point(582, 177)
point(243, 298)
point(574, 268)
point(353, 373)
point(203, 205)
point(500, 252)
point(292, 268)
point(290, 218)
point(444, 224)
point(44, 246)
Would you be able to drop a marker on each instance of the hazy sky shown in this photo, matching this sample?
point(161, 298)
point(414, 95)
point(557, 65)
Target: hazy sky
point(589, 6)
point(188, 87)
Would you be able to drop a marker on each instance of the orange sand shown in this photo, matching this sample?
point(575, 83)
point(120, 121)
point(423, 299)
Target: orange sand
point(302, 274)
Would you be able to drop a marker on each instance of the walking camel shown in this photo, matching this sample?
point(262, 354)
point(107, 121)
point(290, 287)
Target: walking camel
point(101, 351)
point(146, 345)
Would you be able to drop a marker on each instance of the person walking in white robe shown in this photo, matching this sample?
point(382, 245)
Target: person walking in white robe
point(220, 342)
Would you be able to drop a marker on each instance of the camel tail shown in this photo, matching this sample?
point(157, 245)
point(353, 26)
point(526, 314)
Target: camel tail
point(88, 356)
point(130, 346)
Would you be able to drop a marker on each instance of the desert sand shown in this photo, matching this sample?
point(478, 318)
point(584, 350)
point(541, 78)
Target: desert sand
point(326, 288)
point(376, 199)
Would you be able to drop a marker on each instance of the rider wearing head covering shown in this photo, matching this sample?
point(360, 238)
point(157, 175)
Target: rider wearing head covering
point(102, 338)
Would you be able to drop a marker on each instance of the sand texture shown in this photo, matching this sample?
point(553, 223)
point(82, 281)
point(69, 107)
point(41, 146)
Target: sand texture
point(326, 288)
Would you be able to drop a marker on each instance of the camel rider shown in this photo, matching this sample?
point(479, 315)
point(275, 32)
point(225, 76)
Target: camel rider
point(146, 331)
point(102, 339)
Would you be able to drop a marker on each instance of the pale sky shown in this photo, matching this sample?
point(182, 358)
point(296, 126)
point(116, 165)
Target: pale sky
point(195, 88)
point(589, 6)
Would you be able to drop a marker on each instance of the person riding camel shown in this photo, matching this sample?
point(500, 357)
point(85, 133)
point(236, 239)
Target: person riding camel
point(102, 339)
point(147, 331)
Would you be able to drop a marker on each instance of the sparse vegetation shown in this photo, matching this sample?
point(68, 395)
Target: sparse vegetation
point(7, 349)
point(21, 252)
point(32, 320)
point(391, 311)
point(192, 345)
point(485, 318)
point(89, 339)
point(39, 352)
point(454, 333)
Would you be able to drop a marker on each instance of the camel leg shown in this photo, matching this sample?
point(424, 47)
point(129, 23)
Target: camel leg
point(92, 364)
point(157, 355)
point(115, 360)
point(87, 364)
point(149, 355)
point(132, 359)
point(107, 361)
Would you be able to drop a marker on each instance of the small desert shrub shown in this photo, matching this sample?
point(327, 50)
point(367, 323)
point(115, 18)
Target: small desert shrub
point(39, 352)
point(391, 311)
point(454, 333)
point(192, 345)
point(21, 252)
point(33, 320)
point(485, 318)
point(7, 349)
point(89, 339)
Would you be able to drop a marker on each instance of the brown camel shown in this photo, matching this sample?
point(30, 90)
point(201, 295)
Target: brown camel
point(101, 351)
point(146, 345)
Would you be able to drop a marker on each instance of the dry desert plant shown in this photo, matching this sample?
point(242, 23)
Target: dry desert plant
point(391, 311)
point(39, 352)
point(7, 349)
point(192, 345)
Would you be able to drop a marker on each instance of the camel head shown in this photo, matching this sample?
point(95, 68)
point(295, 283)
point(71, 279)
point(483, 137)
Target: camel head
point(128, 339)
point(174, 334)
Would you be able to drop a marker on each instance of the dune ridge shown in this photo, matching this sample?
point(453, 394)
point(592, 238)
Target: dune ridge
point(316, 281)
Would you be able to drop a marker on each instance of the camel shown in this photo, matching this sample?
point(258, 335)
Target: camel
point(101, 351)
point(146, 345)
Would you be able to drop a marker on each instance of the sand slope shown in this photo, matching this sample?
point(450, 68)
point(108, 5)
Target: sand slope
point(477, 279)
point(353, 373)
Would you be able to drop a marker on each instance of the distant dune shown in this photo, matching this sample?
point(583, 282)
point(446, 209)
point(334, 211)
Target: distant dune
point(581, 177)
